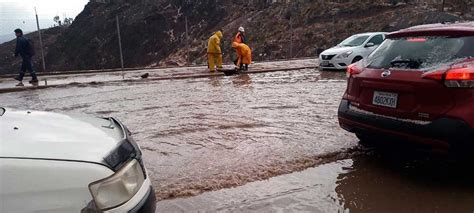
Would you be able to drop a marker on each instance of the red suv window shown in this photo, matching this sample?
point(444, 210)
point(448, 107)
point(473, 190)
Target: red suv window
point(421, 52)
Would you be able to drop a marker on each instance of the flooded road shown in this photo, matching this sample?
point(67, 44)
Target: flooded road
point(272, 136)
point(398, 180)
point(212, 133)
point(369, 181)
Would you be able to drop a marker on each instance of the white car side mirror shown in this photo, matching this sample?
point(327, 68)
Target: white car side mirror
point(370, 44)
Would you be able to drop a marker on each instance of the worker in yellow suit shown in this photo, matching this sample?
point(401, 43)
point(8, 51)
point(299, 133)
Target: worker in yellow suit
point(214, 52)
point(244, 55)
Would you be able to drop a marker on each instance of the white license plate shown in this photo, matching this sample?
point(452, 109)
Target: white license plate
point(324, 63)
point(386, 99)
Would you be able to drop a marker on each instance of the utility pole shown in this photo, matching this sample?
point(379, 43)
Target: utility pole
point(187, 40)
point(333, 14)
point(41, 41)
point(334, 40)
point(120, 46)
point(291, 37)
point(442, 5)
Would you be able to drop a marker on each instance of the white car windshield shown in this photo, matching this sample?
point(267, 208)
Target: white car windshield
point(354, 41)
point(2, 110)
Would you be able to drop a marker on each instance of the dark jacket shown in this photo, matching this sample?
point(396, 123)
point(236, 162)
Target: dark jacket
point(23, 47)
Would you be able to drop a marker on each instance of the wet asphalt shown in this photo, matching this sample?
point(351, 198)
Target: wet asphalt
point(266, 142)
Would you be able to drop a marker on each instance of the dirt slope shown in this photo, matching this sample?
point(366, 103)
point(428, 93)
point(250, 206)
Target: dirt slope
point(153, 31)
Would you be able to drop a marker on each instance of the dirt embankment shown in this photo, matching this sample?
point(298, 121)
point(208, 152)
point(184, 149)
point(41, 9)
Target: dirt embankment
point(153, 31)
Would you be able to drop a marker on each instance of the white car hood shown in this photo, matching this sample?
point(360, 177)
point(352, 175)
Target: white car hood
point(337, 50)
point(45, 135)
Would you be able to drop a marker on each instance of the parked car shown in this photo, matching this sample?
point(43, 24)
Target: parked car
point(53, 162)
point(417, 86)
point(350, 50)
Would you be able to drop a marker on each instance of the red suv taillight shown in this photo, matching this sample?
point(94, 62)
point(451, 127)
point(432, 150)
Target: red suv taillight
point(461, 77)
point(455, 78)
point(352, 69)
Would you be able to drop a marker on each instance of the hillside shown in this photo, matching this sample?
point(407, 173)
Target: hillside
point(153, 31)
point(10, 64)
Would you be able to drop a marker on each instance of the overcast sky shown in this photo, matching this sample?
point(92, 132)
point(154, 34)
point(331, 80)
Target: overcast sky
point(20, 13)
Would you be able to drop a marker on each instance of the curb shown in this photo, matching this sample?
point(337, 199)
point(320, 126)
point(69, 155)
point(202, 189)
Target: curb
point(55, 73)
point(205, 75)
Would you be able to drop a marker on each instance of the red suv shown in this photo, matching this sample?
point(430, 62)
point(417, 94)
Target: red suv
point(417, 86)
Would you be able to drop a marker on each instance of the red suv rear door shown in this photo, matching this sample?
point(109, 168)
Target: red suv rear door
point(400, 93)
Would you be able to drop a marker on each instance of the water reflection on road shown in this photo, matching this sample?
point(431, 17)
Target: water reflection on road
point(394, 180)
point(406, 181)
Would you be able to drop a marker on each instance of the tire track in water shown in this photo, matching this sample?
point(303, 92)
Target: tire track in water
point(182, 188)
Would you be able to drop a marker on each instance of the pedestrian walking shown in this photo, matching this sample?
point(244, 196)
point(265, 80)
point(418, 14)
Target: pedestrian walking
point(214, 52)
point(25, 49)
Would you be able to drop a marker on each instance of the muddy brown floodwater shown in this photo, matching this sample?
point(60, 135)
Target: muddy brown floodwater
point(272, 136)
point(397, 180)
point(391, 180)
point(212, 133)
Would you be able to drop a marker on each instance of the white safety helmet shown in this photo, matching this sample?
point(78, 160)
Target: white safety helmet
point(241, 29)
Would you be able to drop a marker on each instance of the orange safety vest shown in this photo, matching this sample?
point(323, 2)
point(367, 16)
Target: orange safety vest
point(239, 38)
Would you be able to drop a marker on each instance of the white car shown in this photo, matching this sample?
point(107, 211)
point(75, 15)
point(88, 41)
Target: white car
point(53, 162)
point(350, 50)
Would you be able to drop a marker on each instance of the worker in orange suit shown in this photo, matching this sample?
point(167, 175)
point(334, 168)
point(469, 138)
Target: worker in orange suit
point(240, 36)
point(244, 55)
point(214, 52)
